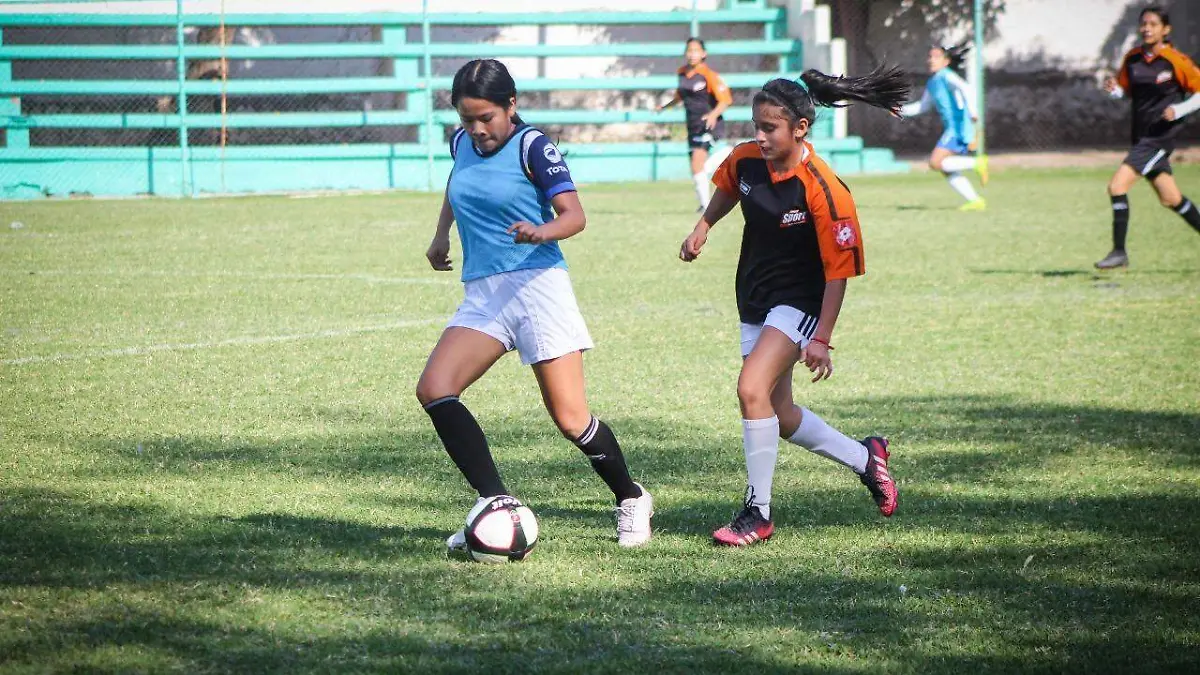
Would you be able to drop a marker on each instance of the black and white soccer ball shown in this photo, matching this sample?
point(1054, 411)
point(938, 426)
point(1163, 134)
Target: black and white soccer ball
point(500, 529)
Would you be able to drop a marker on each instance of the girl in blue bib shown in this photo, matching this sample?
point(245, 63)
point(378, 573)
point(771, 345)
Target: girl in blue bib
point(954, 100)
point(513, 199)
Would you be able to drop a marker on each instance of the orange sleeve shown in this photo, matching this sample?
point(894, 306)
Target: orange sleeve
point(1186, 72)
point(717, 87)
point(839, 235)
point(725, 177)
point(1123, 73)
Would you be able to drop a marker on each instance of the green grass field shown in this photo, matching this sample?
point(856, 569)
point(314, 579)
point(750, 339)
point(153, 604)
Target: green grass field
point(212, 458)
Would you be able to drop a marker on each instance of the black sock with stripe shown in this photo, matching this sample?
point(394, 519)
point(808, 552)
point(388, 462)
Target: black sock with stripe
point(466, 445)
point(1188, 211)
point(600, 445)
point(1120, 209)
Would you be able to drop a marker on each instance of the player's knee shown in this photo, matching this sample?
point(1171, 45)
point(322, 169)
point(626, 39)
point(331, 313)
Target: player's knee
point(935, 163)
point(752, 394)
point(571, 423)
point(431, 387)
point(1115, 189)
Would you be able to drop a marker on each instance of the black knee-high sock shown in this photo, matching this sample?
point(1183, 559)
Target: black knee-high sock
point(1120, 209)
point(600, 445)
point(466, 445)
point(1189, 212)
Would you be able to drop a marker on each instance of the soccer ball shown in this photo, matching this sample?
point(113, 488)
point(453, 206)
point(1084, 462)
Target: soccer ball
point(500, 529)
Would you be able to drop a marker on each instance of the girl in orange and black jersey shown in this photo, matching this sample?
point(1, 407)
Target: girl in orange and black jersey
point(800, 244)
point(704, 96)
point(1162, 84)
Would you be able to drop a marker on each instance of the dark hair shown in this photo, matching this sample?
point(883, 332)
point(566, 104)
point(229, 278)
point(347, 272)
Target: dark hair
point(486, 79)
point(885, 87)
point(1156, 9)
point(697, 41)
point(956, 54)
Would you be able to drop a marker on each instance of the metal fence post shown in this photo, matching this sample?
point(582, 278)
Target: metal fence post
point(186, 177)
point(980, 95)
point(429, 94)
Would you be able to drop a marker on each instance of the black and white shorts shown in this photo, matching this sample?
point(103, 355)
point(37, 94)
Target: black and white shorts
point(786, 319)
point(1150, 157)
point(701, 137)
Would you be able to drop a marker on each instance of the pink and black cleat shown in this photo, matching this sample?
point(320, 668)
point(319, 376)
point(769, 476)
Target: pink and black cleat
point(748, 527)
point(877, 478)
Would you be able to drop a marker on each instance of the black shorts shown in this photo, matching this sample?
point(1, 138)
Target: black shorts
point(700, 138)
point(1150, 157)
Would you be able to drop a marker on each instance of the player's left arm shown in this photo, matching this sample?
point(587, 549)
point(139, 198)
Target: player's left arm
point(720, 92)
point(549, 174)
point(957, 83)
point(839, 238)
point(1188, 76)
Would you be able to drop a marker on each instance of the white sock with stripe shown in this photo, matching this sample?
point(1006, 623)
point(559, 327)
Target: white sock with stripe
point(816, 436)
point(962, 186)
point(958, 163)
point(760, 440)
point(701, 182)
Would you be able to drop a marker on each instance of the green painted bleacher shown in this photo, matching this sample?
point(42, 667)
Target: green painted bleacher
point(30, 170)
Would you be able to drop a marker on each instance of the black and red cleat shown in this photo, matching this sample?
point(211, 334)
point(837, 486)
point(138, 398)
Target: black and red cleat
point(748, 527)
point(877, 478)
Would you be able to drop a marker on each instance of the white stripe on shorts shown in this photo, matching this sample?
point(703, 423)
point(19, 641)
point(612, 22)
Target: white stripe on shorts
point(1153, 160)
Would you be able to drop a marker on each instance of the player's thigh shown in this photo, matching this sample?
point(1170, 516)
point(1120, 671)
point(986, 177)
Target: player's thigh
point(1168, 191)
point(461, 357)
point(564, 392)
point(773, 355)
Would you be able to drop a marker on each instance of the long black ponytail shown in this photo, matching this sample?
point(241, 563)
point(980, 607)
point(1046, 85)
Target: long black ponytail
point(485, 79)
point(956, 55)
point(885, 87)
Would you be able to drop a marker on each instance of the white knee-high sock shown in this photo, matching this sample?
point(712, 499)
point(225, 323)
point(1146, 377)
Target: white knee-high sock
point(958, 163)
point(701, 182)
point(760, 440)
point(962, 186)
point(815, 435)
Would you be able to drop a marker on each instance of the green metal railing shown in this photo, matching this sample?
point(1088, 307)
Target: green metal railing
point(420, 165)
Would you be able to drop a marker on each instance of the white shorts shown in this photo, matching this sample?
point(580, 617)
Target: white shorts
point(788, 320)
point(532, 311)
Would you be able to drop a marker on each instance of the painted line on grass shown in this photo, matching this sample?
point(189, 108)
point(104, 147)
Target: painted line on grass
point(231, 342)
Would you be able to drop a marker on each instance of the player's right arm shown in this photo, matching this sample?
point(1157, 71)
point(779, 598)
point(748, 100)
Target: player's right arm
point(674, 101)
point(1117, 86)
point(917, 107)
point(724, 198)
point(439, 249)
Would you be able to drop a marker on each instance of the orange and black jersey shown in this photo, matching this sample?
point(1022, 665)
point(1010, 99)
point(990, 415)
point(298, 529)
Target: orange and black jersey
point(1154, 81)
point(801, 231)
point(701, 89)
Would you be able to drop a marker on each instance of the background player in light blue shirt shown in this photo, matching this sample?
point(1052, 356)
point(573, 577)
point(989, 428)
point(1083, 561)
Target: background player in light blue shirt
point(507, 185)
point(954, 99)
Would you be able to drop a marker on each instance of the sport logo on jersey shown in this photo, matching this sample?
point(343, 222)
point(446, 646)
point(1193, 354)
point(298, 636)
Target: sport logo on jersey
point(1164, 76)
point(552, 154)
point(793, 217)
point(843, 234)
point(743, 187)
point(700, 86)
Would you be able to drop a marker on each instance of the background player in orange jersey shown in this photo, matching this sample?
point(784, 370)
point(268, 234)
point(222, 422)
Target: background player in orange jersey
point(1161, 83)
point(800, 244)
point(704, 96)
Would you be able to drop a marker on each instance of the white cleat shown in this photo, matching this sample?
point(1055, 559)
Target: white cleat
point(457, 542)
point(633, 519)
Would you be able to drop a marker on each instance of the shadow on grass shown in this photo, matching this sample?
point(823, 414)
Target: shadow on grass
point(1109, 586)
point(193, 591)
